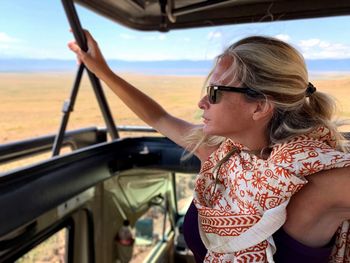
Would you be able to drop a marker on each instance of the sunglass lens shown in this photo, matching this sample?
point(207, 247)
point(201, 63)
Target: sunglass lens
point(211, 94)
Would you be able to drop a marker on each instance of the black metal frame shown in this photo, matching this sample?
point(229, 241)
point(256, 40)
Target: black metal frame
point(33, 239)
point(79, 36)
point(22, 202)
point(75, 139)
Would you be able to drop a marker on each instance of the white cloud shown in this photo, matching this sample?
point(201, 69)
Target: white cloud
point(140, 55)
point(5, 38)
point(283, 37)
point(127, 36)
point(309, 43)
point(175, 53)
point(149, 38)
point(9, 46)
point(325, 44)
point(214, 34)
point(320, 49)
point(155, 37)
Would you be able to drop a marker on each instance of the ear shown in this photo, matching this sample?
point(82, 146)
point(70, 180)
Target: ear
point(264, 110)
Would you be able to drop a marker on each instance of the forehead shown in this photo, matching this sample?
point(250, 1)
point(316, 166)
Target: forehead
point(223, 72)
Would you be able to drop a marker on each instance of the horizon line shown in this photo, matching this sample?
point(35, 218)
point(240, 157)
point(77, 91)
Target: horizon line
point(153, 60)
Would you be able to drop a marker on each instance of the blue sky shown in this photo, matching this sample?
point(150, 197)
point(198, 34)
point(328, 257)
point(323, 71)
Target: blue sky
point(39, 29)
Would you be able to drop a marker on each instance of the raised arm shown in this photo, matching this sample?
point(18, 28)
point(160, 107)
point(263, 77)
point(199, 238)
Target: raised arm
point(142, 105)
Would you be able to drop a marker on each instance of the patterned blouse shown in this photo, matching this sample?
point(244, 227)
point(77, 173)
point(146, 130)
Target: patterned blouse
point(243, 202)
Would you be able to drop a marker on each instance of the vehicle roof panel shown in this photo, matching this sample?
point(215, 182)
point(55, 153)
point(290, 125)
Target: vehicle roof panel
point(165, 15)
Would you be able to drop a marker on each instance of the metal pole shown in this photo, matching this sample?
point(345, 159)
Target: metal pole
point(67, 109)
point(79, 35)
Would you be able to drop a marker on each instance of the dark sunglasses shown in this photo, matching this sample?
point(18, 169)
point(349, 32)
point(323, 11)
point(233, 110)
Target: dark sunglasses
point(213, 94)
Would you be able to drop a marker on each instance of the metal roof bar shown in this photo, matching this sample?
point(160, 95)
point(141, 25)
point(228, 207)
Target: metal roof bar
point(199, 6)
point(79, 36)
point(67, 109)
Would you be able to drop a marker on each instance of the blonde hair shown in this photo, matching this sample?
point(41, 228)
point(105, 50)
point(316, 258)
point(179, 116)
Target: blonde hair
point(277, 70)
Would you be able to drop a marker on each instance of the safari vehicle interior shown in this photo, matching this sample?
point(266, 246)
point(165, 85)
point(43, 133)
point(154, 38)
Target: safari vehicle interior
point(83, 197)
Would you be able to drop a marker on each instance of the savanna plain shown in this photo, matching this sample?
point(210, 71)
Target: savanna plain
point(31, 103)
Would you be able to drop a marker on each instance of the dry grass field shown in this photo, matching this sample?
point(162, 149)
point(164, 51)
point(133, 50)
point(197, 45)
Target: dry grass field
point(31, 103)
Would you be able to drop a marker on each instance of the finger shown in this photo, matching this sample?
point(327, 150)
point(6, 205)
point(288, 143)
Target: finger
point(72, 42)
point(88, 35)
point(81, 55)
point(90, 39)
point(74, 47)
point(79, 61)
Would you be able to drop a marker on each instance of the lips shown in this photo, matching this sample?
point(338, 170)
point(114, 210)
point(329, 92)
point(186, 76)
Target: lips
point(205, 120)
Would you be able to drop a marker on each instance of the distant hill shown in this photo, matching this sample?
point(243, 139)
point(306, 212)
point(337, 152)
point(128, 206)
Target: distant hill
point(167, 67)
point(178, 67)
point(329, 65)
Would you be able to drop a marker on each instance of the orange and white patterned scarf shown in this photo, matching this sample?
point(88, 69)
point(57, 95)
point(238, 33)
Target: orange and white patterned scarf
point(243, 203)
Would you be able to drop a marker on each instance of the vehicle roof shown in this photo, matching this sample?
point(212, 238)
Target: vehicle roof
point(155, 14)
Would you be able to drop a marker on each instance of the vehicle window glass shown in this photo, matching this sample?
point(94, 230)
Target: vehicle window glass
point(150, 229)
point(31, 159)
point(184, 191)
point(53, 249)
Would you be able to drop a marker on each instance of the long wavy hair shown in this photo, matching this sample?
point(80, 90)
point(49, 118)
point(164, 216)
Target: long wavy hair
point(278, 71)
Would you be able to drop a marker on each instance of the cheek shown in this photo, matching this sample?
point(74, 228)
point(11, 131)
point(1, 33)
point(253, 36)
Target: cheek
point(227, 119)
point(237, 114)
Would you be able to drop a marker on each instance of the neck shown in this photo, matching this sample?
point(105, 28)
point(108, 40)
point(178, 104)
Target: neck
point(255, 140)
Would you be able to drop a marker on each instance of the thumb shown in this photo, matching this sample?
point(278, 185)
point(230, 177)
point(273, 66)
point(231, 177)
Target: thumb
point(81, 55)
point(76, 49)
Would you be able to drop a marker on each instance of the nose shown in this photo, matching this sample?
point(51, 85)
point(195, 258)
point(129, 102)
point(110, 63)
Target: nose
point(203, 103)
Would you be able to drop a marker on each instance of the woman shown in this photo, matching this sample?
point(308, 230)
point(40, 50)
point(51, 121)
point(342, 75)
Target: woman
point(265, 128)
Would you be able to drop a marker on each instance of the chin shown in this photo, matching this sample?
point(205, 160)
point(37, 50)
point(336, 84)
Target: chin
point(209, 132)
point(205, 130)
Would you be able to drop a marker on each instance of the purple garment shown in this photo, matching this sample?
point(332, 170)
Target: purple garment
point(191, 234)
point(288, 249)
